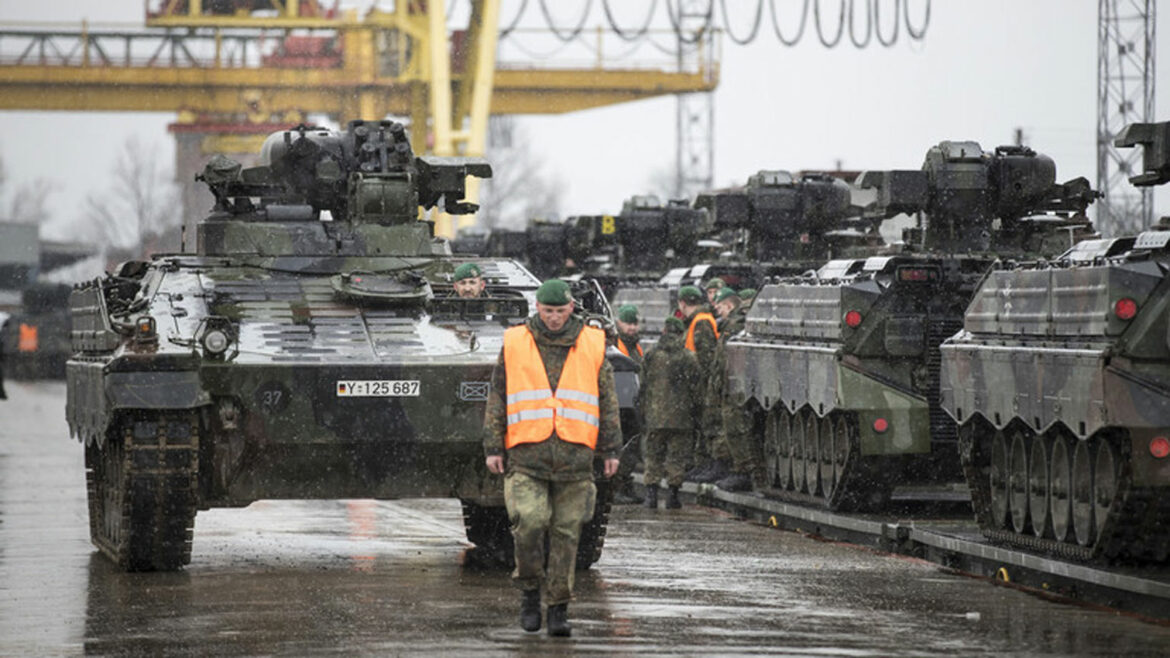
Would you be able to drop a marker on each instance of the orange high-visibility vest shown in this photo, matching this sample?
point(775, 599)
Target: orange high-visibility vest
point(621, 345)
point(691, 330)
point(28, 338)
point(535, 411)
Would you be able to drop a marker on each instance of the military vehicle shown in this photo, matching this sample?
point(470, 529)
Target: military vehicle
point(35, 341)
point(776, 224)
point(839, 369)
point(1060, 383)
point(312, 347)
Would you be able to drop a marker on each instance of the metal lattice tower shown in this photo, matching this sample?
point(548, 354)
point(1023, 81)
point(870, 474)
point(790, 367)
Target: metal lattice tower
point(695, 113)
point(1125, 94)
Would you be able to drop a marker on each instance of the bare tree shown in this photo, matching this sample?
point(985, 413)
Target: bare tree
point(140, 204)
point(27, 203)
point(520, 188)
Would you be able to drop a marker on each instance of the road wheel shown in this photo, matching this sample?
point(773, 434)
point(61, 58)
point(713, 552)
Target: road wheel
point(1038, 485)
point(1105, 478)
point(1060, 488)
point(812, 451)
point(778, 448)
point(998, 479)
point(1018, 482)
point(799, 442)
point(827, 439)
point(1082, 493)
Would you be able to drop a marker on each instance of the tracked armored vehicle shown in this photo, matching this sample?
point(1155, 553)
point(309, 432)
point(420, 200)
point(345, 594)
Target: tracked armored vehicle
point(1060, 383)
point(312, 347)
point(839, 370)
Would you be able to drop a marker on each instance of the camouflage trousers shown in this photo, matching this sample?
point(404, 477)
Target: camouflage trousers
point(667, 454)
point(556, 510)
point(746, 448)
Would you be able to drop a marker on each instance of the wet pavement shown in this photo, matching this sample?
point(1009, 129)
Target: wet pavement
point(364, 577)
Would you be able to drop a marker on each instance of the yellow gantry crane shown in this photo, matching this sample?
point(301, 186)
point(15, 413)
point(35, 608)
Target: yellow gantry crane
point(234, 70)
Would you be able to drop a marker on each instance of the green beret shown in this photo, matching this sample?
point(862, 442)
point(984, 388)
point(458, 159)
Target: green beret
point(554, 292)
point(690, 295)
point(467, 271)
point(628, 313)
point(747, 294)
point(715, 283)
point(673, 326)
point(724, 293)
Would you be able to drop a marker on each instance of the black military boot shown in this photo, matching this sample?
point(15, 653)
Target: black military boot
point(558, 620)
point(652, 496)
point(735, 482)
point(530, 610)
point(672, 501)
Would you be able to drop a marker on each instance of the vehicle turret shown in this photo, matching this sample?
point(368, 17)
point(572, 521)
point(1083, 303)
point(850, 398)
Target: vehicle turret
point(320, 192)
point(782, 216)
point(973, 201)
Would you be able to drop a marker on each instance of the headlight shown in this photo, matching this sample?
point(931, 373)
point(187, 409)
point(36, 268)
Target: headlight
point(215, 342)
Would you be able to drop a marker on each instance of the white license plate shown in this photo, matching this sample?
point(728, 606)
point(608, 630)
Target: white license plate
point(378, 388)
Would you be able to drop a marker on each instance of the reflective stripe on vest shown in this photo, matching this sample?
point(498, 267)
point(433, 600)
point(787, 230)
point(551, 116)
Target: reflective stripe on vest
point(621, 345)
point(691, 330)
point(534, 410)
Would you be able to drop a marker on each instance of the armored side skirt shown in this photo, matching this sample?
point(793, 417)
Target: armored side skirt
point(799, 376)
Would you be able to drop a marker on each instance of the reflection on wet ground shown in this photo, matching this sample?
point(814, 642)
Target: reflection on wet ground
point(391, 577)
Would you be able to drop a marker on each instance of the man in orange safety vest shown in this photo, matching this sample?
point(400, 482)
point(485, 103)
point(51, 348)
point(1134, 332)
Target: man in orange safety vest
point(543, 438)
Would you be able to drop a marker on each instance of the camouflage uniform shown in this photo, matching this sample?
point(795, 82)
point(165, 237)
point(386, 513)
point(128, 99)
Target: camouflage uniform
point(735, 438)
point(671, 399)
point(705, 344)
point(548, 486)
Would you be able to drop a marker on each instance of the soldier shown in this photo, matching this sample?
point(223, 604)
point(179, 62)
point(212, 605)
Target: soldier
point(736, 438)
point(670, 398)
point(701, 338)
point(747, 296)
point(713, 286)
point(627, 342)
point(628, 333)
point(545, 438)
point(469, 282)
point(727, 303)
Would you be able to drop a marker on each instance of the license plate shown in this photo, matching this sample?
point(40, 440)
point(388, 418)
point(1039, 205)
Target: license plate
point(378, 388)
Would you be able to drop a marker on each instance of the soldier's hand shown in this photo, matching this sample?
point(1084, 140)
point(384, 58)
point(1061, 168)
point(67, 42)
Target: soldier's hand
point(611, 467)
point(495, 464)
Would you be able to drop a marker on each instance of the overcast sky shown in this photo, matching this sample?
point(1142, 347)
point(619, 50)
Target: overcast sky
point(985, 68)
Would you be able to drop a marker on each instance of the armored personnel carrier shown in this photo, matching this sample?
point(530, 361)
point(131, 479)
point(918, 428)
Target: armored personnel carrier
point(839, 369)
point(312, 347)
point(1060, 383)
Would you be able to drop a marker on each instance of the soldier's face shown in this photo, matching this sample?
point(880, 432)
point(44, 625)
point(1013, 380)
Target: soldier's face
point(724, 308)
point(471, 287)
point(627, 328)
point(711, 294)
point(554, 317)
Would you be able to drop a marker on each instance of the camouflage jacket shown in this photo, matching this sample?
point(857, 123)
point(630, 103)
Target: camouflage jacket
point(717, 384)
point(670, 396)
point(553, 459)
